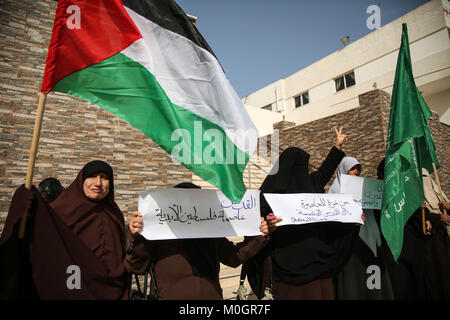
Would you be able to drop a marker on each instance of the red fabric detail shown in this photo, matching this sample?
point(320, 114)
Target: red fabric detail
point(105, 30)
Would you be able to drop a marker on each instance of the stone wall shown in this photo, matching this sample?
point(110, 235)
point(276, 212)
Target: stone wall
point(73, 131)
point(366, 127)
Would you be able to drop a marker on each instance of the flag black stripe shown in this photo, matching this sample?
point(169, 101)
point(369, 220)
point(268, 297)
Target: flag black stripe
point(170, 16)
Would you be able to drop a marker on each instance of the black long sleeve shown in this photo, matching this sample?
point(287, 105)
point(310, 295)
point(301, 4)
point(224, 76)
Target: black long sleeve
point(328, 167)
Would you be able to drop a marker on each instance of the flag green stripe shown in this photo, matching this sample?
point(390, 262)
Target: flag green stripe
point(125, 88)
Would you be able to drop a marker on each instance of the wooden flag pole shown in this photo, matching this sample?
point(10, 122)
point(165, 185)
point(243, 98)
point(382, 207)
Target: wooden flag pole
point(424, 227)
point(33, 152)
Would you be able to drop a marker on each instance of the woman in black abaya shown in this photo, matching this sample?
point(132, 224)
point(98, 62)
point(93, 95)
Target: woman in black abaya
point(188, 268)
point(305, 257)
point(352, 281)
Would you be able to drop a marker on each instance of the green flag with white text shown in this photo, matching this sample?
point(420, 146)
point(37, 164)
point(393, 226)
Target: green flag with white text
point(409, 147)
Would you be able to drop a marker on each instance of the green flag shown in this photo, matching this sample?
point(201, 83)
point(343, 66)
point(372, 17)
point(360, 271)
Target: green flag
point(409, 147)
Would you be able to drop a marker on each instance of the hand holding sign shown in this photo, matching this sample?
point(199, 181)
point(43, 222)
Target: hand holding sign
point(302, 208)
point(367, 191)
point(272, 221)
point(197, 213)
point(136, 223)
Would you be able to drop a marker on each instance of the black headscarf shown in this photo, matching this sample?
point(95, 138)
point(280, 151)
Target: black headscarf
point(50, 188)
point(303, 253)
point(289, 175)
point(201, 252)
point(98, 166)
point(292, 172)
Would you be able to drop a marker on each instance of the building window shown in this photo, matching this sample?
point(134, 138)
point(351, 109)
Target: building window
point(302, 99)
point(268, 107)
point(345, 81)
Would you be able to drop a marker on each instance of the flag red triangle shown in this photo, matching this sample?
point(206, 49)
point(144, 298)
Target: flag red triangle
point(85, 33)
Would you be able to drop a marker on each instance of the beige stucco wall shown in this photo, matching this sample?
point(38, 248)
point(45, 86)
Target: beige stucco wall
point(263, 119)
point(441, 102)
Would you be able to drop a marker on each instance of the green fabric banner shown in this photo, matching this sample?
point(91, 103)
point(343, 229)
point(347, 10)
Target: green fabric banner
point(409, 147)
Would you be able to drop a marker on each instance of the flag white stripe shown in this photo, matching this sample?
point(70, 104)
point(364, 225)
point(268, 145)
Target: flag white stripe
point(192, 79)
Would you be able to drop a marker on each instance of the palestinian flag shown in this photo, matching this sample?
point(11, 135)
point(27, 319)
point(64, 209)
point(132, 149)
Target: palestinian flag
point(145, 62)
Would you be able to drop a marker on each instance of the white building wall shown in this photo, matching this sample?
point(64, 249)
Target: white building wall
point(263, 119)
point(373, 59)
point(441, 103)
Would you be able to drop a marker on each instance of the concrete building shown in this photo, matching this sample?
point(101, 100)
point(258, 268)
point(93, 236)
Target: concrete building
point(332, 85)
point(353, 87)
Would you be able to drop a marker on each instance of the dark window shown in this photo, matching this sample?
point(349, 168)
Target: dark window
point(339, 83)
point(345, 81)
point(349, 79)
point(302, 99)
point(305, 98)
point(268, 107)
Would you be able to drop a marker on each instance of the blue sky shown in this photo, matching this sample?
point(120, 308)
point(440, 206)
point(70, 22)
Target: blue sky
point(261, 41)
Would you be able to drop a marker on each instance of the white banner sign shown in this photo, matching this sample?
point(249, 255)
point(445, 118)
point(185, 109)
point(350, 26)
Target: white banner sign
point(301, 208)
point(367, 191)
point(197, 213)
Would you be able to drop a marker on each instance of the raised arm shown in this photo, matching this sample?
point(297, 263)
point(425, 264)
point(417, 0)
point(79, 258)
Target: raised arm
point(331, 162)
point(340, 137)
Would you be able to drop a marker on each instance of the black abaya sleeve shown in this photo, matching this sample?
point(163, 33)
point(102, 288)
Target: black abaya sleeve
point(326, 170)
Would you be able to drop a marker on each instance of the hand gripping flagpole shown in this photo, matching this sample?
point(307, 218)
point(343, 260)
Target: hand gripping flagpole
point(442, 199)
point(440, 189)
point(32, 159)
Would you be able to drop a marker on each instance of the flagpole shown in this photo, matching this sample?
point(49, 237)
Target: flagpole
point(32, 158)
point(439, 185)
point(424, 228)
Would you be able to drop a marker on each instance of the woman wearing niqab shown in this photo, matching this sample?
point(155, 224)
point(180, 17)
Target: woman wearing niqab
point(305, 257)
point(438, 244)
point(351, 281)
point(409, 275)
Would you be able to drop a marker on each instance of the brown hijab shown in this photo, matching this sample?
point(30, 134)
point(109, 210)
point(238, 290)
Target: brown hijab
point(99, 224)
